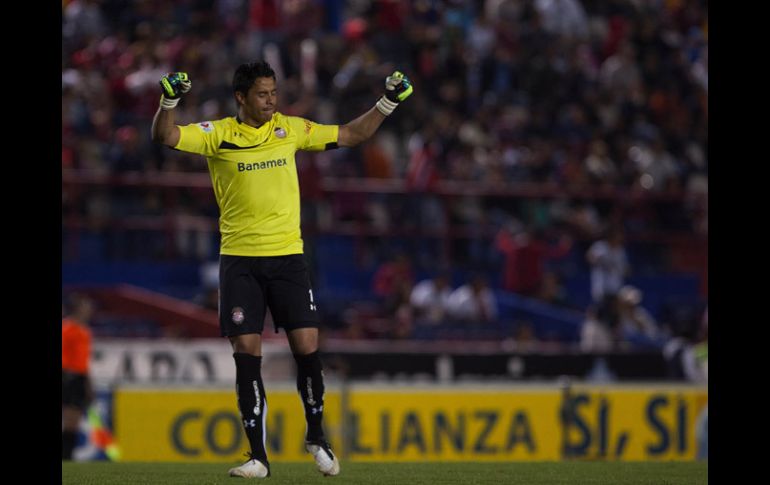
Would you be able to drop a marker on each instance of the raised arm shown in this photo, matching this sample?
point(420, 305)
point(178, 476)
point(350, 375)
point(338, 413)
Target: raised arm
point(164, 130)
point(397, 89)
point(173, 86)
point(360, 129)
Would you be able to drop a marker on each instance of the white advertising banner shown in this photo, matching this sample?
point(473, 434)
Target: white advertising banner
point(198, 362)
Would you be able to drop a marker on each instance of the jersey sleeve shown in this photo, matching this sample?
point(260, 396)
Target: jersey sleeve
point(202, 138)
point(313, 136)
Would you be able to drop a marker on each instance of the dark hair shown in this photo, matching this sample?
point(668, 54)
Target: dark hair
point(73, 302)
point(246, 74)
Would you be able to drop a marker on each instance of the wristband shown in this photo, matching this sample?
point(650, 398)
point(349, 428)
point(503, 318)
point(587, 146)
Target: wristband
point(167, 104)
point(385, 106)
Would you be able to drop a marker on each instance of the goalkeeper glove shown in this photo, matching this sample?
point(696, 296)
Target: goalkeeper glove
point(397, 88)
point(173, 85)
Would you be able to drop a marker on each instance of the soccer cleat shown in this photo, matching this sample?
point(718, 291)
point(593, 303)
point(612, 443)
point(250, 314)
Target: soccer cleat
point(251, 469)
point(324, 458)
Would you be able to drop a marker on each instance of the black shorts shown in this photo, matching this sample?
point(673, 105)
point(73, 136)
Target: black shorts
point(249, 285)
point(73, 390)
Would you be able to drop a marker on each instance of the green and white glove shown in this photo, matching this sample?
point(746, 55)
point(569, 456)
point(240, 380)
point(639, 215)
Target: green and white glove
point(397, 88)
point(172, 86)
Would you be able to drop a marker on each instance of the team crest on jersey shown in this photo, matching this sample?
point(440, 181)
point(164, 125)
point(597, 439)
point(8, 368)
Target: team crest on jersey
point(280, 132)
point(206, 126)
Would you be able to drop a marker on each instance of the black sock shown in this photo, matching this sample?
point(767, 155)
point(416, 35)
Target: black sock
point(252, 402)
point(310, 384)
point(68, 440)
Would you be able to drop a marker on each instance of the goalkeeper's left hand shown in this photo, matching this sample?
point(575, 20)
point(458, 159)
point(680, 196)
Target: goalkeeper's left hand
point(173, 85)
point(398, 87)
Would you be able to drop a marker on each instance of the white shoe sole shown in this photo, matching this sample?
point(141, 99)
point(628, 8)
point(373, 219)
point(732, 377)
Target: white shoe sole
point(257, 470)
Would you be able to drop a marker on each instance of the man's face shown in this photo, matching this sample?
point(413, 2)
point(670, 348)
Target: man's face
point(259, 103)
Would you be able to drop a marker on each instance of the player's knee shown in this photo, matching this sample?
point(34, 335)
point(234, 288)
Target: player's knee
point(303, 341)
point(247, 344)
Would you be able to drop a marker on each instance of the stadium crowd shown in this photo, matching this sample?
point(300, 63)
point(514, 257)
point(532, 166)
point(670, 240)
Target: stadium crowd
point(577, 96)
point(561, 93)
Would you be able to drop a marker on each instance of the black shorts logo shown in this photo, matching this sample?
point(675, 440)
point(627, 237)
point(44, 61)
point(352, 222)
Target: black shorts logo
point(238, 315)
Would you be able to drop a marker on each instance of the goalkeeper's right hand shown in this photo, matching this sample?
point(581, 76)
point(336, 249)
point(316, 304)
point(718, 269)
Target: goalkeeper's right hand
point(172, 86)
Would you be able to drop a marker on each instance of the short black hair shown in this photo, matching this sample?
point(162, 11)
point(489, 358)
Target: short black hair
point(246, 74)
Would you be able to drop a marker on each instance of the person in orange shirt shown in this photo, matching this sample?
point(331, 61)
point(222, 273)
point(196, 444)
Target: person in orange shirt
point(77, 392)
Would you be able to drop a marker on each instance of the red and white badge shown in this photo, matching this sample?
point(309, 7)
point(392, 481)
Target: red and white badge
point(238, 315)
point(206, 126)
point(280, 132)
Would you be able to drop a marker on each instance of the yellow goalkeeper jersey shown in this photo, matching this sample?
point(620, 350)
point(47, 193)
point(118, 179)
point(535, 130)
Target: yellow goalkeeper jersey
point(254, 177)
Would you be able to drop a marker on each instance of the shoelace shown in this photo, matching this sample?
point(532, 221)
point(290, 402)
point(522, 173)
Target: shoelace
point(324, 446)
point(250, 457)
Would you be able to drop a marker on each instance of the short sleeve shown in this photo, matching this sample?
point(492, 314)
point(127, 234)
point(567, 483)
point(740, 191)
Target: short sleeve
point(202, 138)
point(312, 136)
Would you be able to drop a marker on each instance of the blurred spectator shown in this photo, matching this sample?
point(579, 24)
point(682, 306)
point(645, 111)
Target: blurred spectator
point(392, 284)
point(524, 336)
point(598, 333)
point(125, 154)
point(609, 264)
point(82, 19)
point(657, 167)
point(391, 318)
point(702, 360)
point(551, 290)
point(392, 276)
point(473, 302)
point(583, 220)
point(702, 348)
point(77, 390)
point(421, 174)
point(686, 352)
point(620, 73)
point(526, 255)
point(430, 299)
point(565, 18)
point(600, 167)
point(398, 312)
point(637, 325)
point(208, 297)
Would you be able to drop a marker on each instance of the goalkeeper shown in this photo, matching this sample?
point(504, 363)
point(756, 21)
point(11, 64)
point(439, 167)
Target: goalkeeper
point(253, 173)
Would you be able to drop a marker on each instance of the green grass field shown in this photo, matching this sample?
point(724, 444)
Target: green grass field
point(551, 473)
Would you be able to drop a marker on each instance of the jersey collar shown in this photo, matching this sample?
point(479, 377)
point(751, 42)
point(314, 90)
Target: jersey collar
point(265, 130)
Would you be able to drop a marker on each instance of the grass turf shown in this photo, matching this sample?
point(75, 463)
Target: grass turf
point(551, 473)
